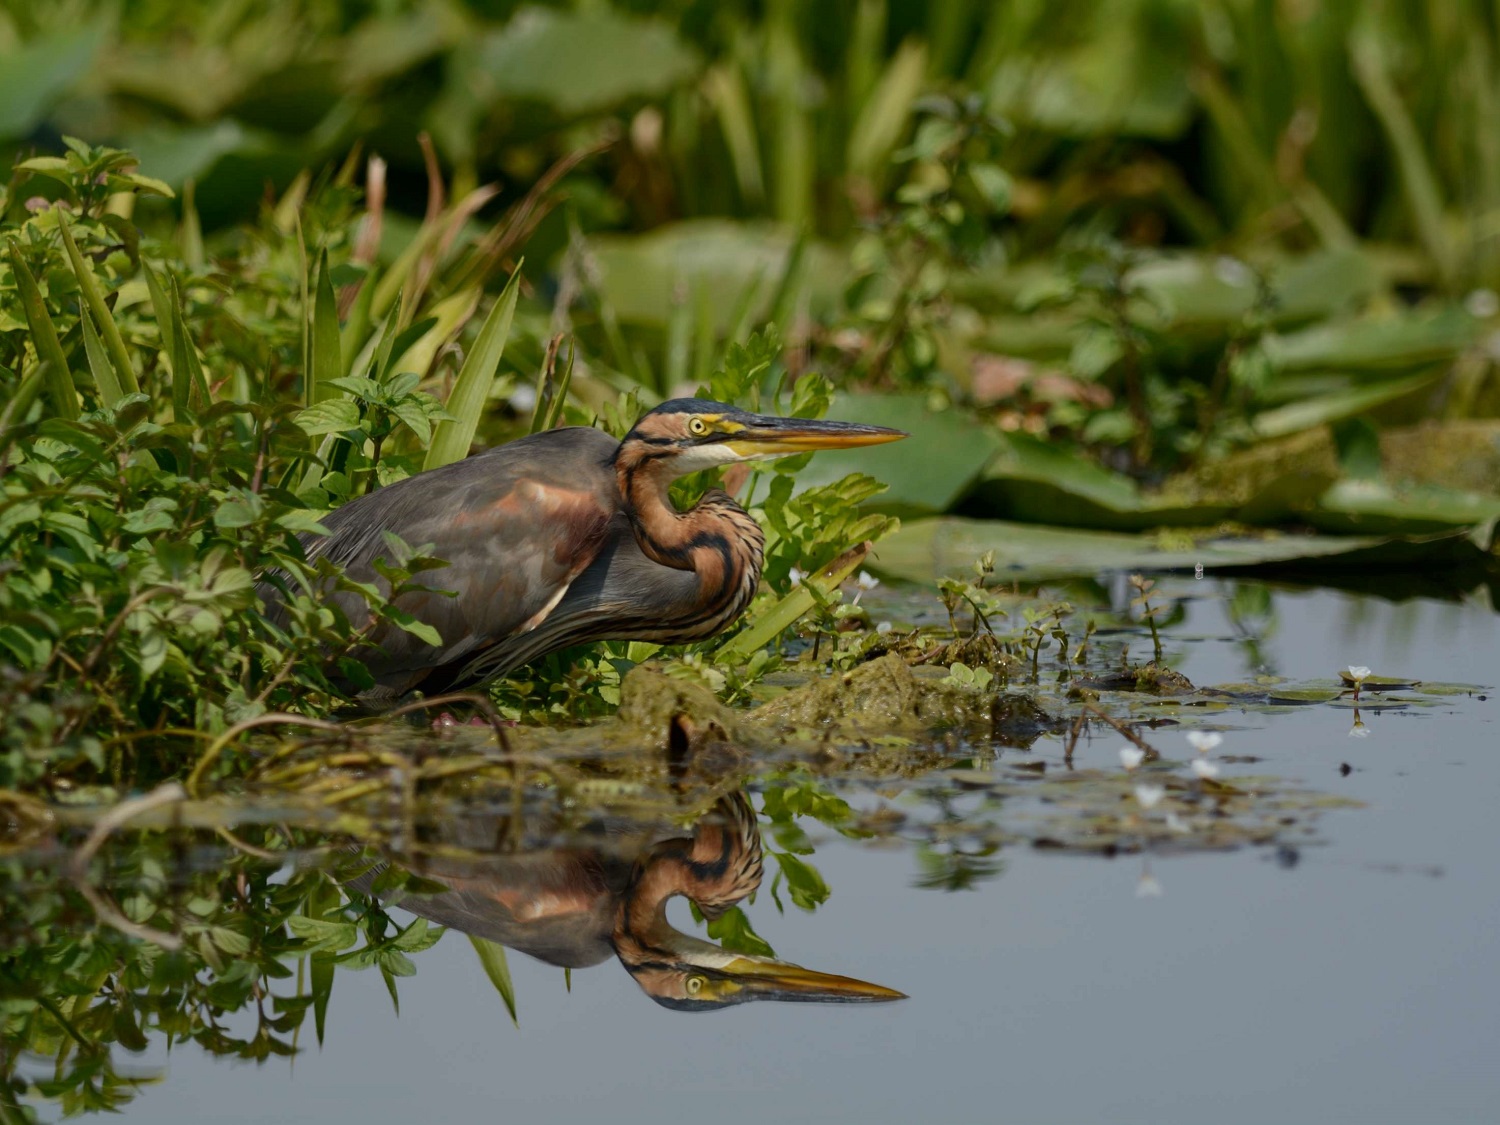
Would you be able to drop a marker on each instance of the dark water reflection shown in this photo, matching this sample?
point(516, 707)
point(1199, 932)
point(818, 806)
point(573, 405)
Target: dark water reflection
point(1343, 971)
point(576, 906)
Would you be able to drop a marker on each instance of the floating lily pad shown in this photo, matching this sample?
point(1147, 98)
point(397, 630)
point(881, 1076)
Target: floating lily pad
point(925, 549)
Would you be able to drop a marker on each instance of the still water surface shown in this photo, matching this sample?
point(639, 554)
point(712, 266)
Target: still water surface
point(1356, 979)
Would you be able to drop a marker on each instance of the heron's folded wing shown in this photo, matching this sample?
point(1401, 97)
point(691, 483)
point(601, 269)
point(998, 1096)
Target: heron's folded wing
point(515, 526)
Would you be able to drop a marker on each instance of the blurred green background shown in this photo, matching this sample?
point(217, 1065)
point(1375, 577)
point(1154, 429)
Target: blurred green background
point(1158, 231)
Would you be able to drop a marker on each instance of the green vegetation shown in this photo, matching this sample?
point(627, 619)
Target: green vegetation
point(1119, 267)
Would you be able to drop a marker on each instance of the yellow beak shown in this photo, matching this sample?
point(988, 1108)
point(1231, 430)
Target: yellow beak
point(777, 980)
point(769, 436)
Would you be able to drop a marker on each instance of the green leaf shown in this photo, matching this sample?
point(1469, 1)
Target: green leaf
point(808, 890)
point(327, 359)
point(323, 935)
point(55, 373)
point(37, 73)
point(330, 416)
point(471, 390)
point(94, 298)
point(161, 308)
point(924, 549)
point(1337, 405)
point(189, 388)
point(785, 613)
point(585, 60)
point(492, 958)
point(733, 931)
point(928, 472)
point(104, 374)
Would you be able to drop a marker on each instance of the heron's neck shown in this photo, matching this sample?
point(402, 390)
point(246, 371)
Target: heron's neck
point(715, 538)
point(718, 867)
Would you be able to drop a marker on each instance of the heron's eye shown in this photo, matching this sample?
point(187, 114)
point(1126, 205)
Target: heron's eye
point(697, 427)
point(694, 984)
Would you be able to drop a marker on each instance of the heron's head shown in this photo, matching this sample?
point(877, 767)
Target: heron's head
point(698, 976)
point(689, 434)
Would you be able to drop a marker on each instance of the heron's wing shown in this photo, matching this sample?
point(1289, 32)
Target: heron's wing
point(516, 526)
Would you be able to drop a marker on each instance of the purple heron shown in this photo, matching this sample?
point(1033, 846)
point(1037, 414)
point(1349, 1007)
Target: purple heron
point(577, 906)
point(562, 538)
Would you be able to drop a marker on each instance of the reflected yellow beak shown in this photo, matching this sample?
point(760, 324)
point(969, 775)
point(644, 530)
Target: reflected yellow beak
point(768, 436)
point(777, 980)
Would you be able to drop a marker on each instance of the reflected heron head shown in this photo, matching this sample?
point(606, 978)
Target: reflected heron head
point(698, 976)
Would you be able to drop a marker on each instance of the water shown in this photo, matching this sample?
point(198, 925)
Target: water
point(1348, 978)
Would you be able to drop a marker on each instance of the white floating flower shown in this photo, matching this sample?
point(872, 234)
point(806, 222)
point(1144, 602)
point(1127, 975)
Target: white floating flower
point(1358, 673)
point(866, 580)
point(1176, 824)
point(1203, 741)
point(884, 627)
point(1205, 770)
point(1149, 796)
point(1130, 757)
point(1148, 887)
point(1359, 730)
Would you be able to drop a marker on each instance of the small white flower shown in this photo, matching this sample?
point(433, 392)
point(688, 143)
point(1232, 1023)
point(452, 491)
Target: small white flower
point(1149, 796)
point(1130, 757)
point(1482, 303)
point(884, 627)
point(1176, 824)
point(866, 580)
point(1198, 571)
point(1203, 741)
point(1204, 769)
point(1148, 887)
point(796, 576)
point(1359, 730)
point(1358, 673)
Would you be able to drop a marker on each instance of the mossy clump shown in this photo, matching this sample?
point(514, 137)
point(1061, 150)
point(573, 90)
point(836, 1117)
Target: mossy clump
point(884, 697)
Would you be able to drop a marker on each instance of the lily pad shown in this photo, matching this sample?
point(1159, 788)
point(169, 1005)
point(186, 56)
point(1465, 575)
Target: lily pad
point(928, 472)
point(925, 549)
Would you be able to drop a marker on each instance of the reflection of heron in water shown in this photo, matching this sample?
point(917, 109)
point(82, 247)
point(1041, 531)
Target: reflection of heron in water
point(575, 906)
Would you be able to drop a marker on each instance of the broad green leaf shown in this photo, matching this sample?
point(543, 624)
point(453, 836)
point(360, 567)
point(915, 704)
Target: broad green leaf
point(925, 549)
point(584, 60)
point(471, 390)
point(927, 472)
point(35, 74)
point(1348, 403)
point(492, 959)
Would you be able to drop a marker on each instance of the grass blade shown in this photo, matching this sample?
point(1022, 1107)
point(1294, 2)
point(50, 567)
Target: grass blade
point(885, 115)
point(162, 308)
point(104, 375)
point(49, 352)
point(189, 388)
point(724, 87)
point(114, 343)
point(327, 358)
point(15, 409)
point(451, 440)
point(1417, 176)
point(492, 958)
point(786, 612)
